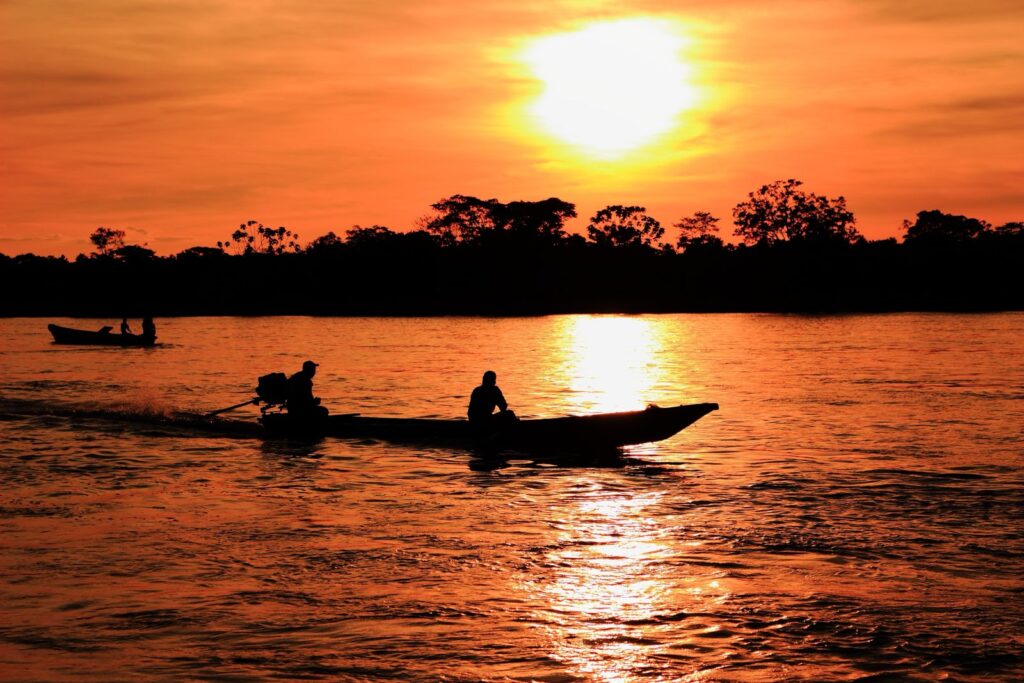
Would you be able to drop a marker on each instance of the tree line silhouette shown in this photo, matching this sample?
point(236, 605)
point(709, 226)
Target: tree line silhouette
point(797, 251)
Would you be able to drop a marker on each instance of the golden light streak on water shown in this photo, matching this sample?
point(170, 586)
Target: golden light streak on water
point(611, 362)
point(605, 551)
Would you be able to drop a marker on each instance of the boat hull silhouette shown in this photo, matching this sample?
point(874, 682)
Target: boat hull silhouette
point(69, 335)
point(603, 430)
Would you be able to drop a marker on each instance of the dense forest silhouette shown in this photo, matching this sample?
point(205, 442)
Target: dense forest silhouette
point(797, 251)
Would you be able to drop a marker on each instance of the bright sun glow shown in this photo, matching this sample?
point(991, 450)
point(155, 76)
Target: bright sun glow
point(613, 86)
point(613, 361)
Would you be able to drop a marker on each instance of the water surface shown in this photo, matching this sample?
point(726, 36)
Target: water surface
point(853, 512)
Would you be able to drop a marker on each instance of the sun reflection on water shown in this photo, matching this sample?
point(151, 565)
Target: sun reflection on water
point(603, 585)
point(620, 597)
point(611, 362)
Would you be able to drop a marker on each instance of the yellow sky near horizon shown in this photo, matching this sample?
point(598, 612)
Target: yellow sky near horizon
point(177, 120)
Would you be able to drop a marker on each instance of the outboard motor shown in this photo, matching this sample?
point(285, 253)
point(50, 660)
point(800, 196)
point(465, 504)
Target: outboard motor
point(272, 389)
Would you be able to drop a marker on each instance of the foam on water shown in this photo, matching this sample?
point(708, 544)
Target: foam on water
point(127, 415)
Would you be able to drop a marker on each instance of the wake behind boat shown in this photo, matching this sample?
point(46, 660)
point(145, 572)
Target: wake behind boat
point(102, 337)
point(598, 431)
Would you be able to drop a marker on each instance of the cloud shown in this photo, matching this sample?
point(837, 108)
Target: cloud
point(944, 10)
point(988, 103)
point(32, 239)
point(1000, 114)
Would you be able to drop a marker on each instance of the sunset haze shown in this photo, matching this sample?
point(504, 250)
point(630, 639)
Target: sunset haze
point(176, 121)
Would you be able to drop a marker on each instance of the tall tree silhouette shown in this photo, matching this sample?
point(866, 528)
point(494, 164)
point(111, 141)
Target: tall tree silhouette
point(782, 211)
point(253, 237)
point(542, 221)
point(938, 228)
point(107, 240)
point(698, 230)
point(461, 218)
point(624, 226)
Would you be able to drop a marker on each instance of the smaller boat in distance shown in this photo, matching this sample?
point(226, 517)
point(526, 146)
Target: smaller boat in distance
point(574, 433)
point(101, 337)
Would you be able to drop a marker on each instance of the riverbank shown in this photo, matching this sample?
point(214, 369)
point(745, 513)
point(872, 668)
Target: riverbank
point(429, 280)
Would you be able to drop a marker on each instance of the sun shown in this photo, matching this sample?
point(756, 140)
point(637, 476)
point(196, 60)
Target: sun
point(612, 87)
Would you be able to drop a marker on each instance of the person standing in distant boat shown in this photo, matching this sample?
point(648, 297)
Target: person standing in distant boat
point(125, 329)
point(148, 329)
point(484, 399)
point(301, 402)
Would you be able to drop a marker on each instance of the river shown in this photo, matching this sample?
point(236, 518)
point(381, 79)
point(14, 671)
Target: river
point(853, 512)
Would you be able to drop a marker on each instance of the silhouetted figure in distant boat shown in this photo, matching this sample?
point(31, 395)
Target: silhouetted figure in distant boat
point(148, 329)
point(125, 329)
point(484, 400)
point(301, 402)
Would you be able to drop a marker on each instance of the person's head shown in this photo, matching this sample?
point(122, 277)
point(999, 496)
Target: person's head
point(124, 320)
point(309, 367)
point(490, 378)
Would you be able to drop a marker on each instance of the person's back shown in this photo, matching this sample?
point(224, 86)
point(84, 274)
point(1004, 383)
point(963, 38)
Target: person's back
point(301, 402)
point(300, 392)
point(485, 398)
point(148, 328)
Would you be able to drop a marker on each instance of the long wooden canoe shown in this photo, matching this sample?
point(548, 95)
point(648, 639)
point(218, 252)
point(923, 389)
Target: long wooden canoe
point(603, 430)
point(68, 335)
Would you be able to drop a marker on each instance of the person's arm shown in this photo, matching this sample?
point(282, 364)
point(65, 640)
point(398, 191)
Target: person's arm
point(500, 400)
point(313, 400)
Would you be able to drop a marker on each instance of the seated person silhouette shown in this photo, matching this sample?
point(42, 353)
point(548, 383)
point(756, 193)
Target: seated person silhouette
point(301, 403)
point(125, 329)
point(484, 399)
point(148, 329)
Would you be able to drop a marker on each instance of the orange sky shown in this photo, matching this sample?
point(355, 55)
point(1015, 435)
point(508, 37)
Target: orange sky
point(178, 119)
